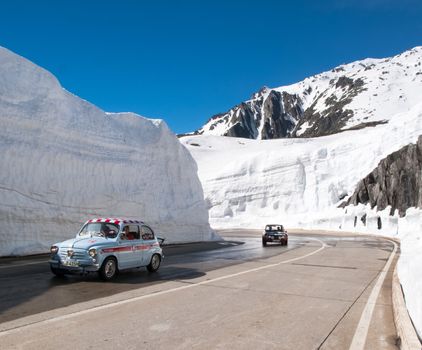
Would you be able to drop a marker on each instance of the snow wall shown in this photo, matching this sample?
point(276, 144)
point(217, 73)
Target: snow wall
point(63, 161)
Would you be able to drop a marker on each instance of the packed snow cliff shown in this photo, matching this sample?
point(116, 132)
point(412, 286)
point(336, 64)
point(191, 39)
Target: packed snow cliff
point(65, 160)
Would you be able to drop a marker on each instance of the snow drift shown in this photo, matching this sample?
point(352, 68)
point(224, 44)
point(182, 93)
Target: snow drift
point(65, 160)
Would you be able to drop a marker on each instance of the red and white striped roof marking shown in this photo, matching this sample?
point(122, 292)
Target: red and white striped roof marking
point(116, 220)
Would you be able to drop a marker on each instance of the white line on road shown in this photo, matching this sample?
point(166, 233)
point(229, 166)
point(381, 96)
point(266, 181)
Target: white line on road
point(147, 296)
point(359, 339)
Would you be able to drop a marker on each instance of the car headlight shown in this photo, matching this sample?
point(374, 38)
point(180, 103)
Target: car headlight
point(54, 249)
point(92, 252)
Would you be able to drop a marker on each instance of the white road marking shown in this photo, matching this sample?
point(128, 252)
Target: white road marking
point(361, 333)
point(147, 296)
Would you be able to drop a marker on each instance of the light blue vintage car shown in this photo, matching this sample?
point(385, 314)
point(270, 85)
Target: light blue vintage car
point(106, 246)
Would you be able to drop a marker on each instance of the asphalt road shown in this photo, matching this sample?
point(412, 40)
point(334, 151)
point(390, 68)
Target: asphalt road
point(319, 292)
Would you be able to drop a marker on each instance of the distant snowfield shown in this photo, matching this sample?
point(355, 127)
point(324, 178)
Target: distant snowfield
point(65, 160)
point(300, 183)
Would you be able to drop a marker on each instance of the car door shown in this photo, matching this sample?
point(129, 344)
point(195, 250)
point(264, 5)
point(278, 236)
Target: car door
point(148, 240)
point(130, 247)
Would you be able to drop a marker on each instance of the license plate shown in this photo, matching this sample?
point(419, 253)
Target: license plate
point(70, 263)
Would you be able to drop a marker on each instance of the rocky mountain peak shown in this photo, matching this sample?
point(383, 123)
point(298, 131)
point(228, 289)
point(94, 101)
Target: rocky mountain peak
point(357, 95)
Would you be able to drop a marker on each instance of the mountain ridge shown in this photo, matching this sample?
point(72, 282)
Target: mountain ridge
point(362, 93)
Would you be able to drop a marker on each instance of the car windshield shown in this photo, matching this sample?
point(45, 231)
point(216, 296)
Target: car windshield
point(274, 228)
point(101, 229)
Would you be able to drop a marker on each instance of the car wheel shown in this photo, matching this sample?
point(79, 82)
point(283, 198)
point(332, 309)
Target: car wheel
point(264, 243)
point(108, 269)
point(56, 271)
point(155, 263)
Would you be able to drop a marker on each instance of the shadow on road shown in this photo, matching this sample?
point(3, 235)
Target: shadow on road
point(28, 286)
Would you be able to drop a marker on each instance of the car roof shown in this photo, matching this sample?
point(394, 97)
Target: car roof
point(116, 221)
point(273, 225)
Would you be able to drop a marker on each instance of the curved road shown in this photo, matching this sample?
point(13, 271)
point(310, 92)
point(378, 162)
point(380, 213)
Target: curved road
point(320, 292)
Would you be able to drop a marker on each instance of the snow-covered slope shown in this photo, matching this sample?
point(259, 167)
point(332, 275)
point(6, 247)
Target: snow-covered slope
point(63, 160)
point(248, 182)
point(356, 95)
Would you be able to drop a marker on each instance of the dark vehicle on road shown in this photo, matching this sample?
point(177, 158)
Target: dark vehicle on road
point(274, 233)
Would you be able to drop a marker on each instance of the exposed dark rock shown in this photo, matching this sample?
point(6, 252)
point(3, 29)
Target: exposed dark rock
point(272, 114)
point(276, 112)
point(366, 125)
point(243, 123)
point(281, 112)
point(396, 181)
point(334, 118)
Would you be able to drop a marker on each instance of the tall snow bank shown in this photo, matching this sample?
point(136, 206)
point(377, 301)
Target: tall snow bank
point(65, 160)
point(251, 182)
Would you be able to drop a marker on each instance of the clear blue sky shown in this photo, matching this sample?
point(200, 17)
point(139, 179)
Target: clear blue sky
point(184, 61)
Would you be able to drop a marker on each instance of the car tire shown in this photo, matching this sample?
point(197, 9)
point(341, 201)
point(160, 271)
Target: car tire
point(154, 265)
point(108, 269)
point(264, 243)
point(58, 272)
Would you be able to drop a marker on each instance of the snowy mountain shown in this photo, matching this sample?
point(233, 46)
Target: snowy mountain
point(352, 96)
point(64, 160)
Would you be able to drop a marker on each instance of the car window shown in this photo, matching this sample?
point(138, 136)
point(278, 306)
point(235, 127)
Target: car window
point(102, 229)
point(130, 232)
point(147, 233)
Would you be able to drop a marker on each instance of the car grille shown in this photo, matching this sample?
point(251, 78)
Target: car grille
point(77, 254)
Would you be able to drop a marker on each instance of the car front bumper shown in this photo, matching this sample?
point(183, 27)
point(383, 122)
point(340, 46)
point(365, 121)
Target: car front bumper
point(275, 239)
point(81, 267)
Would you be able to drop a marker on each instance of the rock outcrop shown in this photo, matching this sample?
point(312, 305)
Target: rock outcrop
point(395, 182)
point(268, 115)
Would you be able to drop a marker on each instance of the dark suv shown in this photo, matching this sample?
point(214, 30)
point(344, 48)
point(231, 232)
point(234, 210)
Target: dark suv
point(275, 233)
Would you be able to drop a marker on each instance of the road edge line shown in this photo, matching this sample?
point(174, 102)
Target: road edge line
point(361, 332)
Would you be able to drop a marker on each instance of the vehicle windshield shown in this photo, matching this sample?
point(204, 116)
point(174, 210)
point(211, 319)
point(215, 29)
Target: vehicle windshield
point(274, 228)
point(101, 229)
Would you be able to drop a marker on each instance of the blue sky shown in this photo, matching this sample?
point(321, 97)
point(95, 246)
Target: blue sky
point(185, 61)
